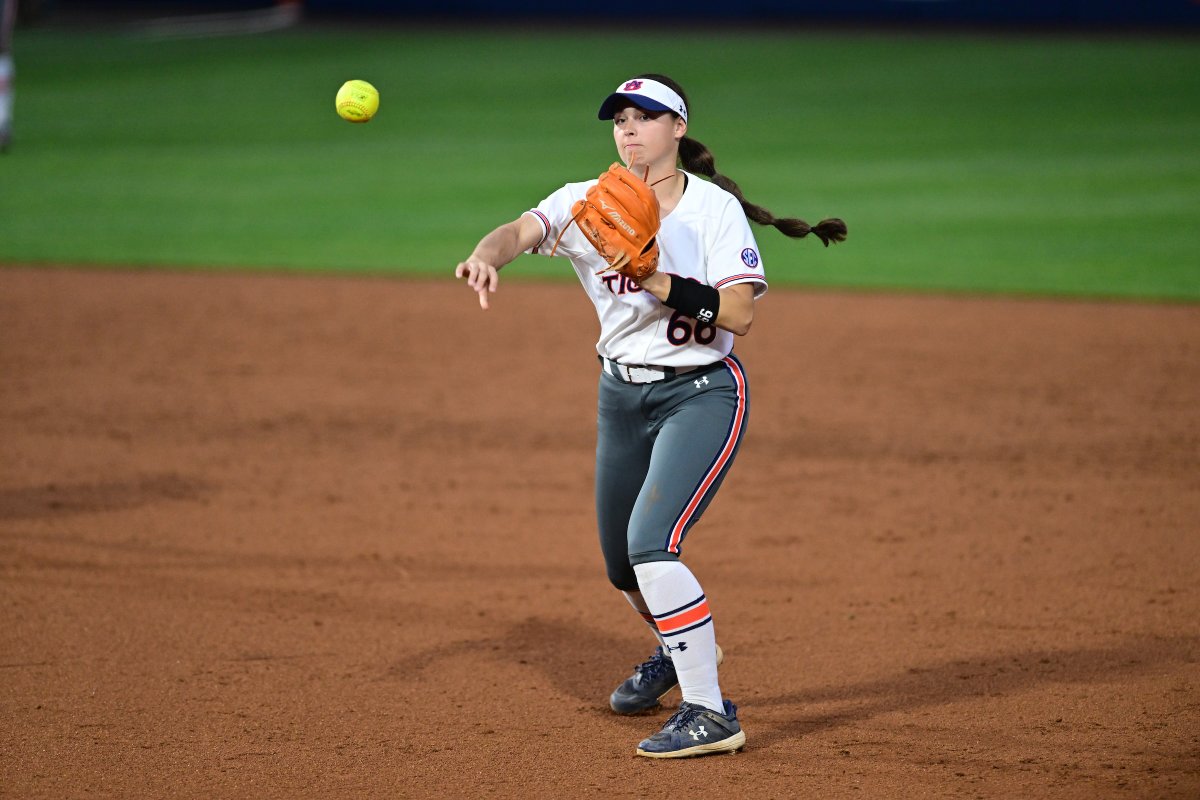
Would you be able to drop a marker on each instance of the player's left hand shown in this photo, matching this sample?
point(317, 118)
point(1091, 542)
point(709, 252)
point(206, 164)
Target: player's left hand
point(620, 217)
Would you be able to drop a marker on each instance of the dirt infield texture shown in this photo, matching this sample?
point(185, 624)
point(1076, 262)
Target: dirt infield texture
point(269, 536)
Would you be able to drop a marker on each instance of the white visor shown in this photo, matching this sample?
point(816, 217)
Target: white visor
point(644, 93)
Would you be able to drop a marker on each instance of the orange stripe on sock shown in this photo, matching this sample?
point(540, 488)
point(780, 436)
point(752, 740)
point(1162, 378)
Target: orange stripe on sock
point(683, 618)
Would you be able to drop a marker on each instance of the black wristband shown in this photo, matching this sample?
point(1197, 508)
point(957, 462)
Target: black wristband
point(695, 299)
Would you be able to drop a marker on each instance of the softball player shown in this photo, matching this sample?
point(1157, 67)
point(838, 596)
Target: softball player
point(673, 400)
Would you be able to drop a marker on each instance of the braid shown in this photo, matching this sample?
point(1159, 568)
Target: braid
point(697, 158)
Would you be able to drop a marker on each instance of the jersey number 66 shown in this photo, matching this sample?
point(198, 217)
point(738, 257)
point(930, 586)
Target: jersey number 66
point(682, 329)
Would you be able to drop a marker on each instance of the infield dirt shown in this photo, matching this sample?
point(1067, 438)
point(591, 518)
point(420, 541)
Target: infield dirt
point(279, 536)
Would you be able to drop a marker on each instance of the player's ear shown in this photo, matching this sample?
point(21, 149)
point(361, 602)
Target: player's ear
point(680, 128)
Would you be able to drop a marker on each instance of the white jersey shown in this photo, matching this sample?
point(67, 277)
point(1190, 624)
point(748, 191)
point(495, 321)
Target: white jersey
point(706, 237)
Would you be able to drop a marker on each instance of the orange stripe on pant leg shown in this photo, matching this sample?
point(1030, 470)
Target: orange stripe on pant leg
point(683, 619)
point(727, 449)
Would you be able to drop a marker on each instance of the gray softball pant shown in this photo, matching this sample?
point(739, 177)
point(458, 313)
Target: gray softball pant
point(662, 451)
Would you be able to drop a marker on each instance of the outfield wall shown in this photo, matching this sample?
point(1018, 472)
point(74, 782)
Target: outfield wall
point(1007, 12)
point(1053, 13)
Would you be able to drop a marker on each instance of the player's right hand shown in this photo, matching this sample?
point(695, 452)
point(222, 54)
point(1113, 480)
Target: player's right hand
point(481, 276)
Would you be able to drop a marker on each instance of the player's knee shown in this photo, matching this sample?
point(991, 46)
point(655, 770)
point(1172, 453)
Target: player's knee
point(623, 577)
point(648, 557)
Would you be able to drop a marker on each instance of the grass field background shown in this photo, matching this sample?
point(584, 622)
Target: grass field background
point(1043, 164)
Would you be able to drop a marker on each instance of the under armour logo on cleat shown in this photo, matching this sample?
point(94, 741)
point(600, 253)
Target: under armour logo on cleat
point(701, 382)
point(696, 734)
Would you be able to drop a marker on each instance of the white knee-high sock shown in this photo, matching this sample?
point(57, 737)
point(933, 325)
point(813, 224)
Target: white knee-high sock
point(680, 609)
point(639, 605)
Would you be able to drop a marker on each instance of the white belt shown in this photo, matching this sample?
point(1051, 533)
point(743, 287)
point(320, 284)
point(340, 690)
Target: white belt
point(638, 373)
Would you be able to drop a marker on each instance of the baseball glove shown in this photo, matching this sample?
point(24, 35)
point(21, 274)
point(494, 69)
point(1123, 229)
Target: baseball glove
point(619, 215)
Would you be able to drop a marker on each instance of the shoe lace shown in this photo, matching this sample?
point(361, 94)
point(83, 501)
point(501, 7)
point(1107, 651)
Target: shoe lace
point(683, 717)
point(655, 666)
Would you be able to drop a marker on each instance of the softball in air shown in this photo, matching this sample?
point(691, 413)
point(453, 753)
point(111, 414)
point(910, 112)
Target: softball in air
point(357, 101)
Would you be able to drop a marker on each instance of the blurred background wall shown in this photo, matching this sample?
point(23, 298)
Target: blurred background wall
point(1060, 13)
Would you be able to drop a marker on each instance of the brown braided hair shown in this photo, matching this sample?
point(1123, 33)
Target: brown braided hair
point(695, 157)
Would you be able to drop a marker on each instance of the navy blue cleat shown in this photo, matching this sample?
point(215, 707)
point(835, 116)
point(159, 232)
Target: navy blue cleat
point(695, 731)
point(652, 680)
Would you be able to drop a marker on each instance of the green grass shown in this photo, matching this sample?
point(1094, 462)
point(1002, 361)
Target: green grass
point(1057, 165)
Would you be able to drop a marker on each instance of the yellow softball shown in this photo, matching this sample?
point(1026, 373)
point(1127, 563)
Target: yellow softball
point(357, 101)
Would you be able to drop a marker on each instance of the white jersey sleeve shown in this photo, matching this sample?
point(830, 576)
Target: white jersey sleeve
point(554, 213)
point(733, 255)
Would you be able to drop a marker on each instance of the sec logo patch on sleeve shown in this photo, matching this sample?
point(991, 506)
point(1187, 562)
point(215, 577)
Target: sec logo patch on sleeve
point(750, 257)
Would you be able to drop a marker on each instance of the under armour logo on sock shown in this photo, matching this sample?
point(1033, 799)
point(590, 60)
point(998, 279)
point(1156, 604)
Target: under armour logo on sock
point(677, 648)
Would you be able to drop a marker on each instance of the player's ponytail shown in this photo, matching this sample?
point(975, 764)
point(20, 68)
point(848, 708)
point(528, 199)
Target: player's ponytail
point(695, 157)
